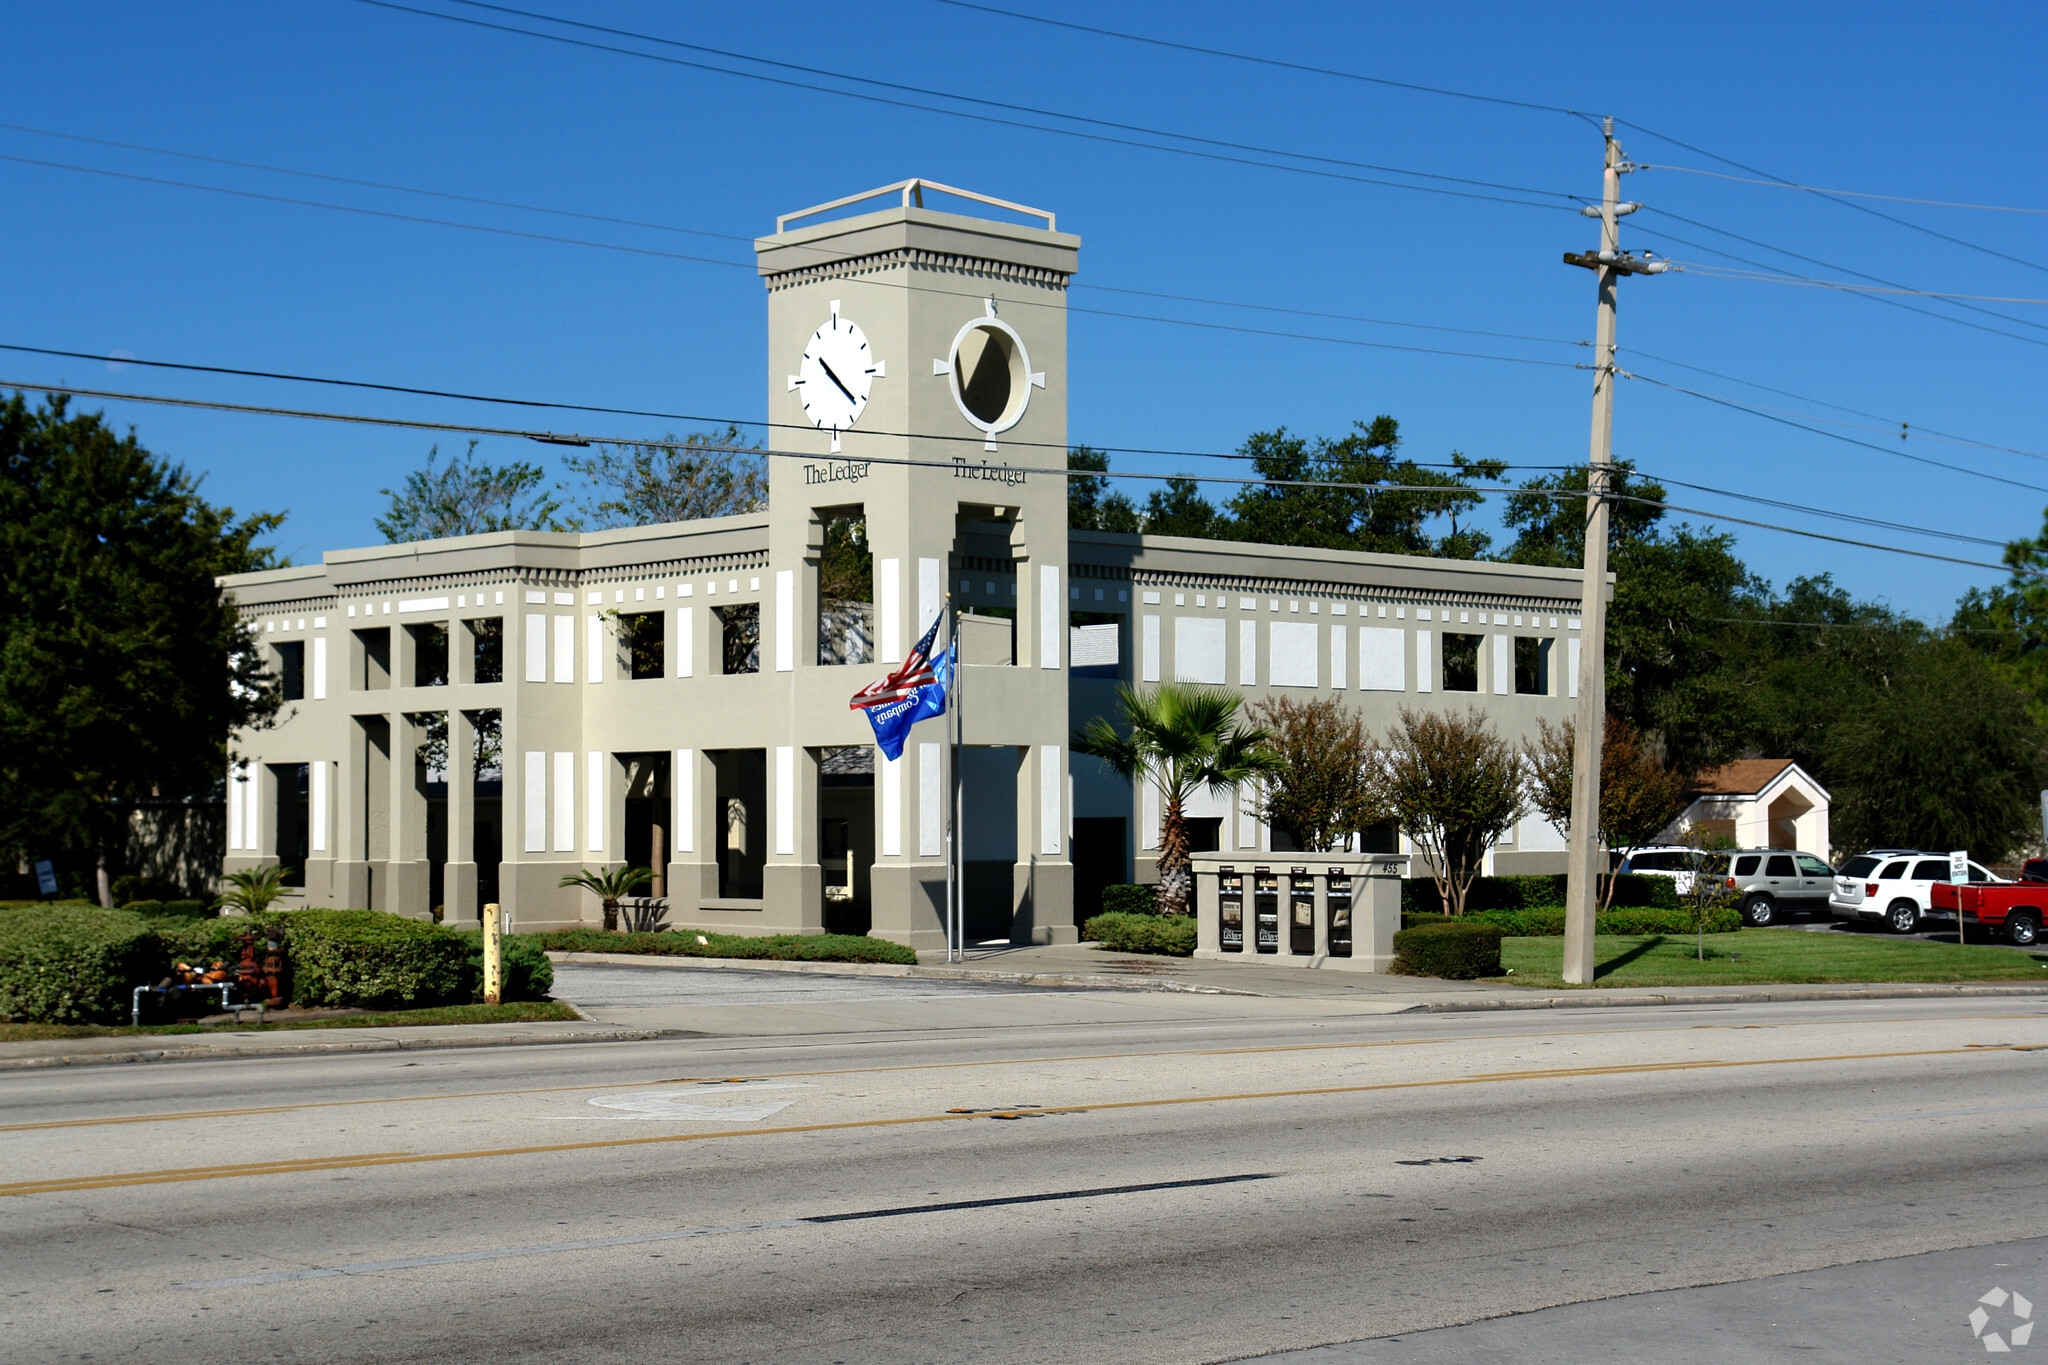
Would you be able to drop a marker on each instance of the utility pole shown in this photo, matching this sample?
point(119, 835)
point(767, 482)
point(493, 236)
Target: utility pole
point(1610, 263)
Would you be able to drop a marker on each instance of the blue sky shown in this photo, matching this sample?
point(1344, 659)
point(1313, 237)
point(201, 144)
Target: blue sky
point(1930, 103)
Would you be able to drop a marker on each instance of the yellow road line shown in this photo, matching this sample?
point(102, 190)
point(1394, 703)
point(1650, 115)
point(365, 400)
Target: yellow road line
point(114, 1181)
point(936, 1066)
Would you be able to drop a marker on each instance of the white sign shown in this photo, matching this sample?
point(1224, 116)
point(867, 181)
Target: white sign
point(1959, 867)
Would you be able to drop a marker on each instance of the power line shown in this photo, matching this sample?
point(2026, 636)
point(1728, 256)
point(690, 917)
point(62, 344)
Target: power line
point(1825, 265)
point(577, 439)
point(980, 118)
point(1769, 416)
point(742, 265)
point(1813, 189)
point(1927, 433)
point(1923, 433)
point(1832, 198)
point(976, 439)
point(1265, 61)
point(998, 104)
point(705, 232)
point(1806, 282)
point(1873, 522)
point(1873, 298)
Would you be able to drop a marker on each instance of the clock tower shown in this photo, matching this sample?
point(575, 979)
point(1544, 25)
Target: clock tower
point(917, 385)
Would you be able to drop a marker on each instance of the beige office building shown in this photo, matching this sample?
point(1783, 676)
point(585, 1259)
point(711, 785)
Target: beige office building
point(470, 719)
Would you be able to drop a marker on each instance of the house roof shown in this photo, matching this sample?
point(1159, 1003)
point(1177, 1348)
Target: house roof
point(1743, 777)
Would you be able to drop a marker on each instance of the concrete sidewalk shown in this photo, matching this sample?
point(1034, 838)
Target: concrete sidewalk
point(228, 1042)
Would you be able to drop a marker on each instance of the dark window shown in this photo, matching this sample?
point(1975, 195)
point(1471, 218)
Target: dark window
point(1780, 865)
point(1205, 835)
point(291, 670)
point(645, 637)
point(1978, 874)
point(1461, 663)
point(1931, 870)
point(1532, 666)
point(429, 655)
point(1746, 866)
point(1892, 872)
point(742, 638)
point(487, 648)
point(1858, 867)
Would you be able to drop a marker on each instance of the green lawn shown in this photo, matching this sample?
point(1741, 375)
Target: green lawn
point(525, 1012)
point(1767, 957)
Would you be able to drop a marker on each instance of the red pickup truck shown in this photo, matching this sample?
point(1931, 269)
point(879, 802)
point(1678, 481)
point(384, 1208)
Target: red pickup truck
point(2017, 909)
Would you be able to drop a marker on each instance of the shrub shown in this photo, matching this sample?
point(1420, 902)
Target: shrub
point(686, 943)
point(1167, 935)
point(130, 887)
point(1129, 899)
point(189, 909)
point(1725, 920)
point(1535, 893)
point(1452, 951)
point(1548, 921)
point(371, 959)
point(73, 964)
point(528, 975)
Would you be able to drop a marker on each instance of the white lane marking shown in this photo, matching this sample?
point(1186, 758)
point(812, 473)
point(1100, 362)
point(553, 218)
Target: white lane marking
point(672, 1105)
point(373, 1267)
point(1951, 1113)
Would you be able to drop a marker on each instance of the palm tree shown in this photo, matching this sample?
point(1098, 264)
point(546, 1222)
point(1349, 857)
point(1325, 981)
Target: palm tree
point(1179, 738)
point(611, 886)
point(250, 892)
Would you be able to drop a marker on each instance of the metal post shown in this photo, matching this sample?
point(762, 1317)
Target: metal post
point(1583, 871)
point(494, 962)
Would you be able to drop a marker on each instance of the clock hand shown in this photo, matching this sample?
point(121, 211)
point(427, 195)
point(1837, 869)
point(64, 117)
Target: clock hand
point(835, 379)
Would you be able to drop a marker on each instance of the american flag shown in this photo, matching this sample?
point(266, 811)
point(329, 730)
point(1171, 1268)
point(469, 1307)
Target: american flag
point(916, 672)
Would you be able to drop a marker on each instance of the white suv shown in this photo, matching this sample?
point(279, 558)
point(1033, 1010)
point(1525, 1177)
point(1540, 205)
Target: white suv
point(1675, 861)
point(1893, 887)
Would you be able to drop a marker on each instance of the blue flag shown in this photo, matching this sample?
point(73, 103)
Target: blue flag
point(912, 693)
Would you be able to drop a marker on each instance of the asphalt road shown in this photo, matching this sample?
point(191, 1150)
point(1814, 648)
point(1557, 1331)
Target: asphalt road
point(1194, 1189)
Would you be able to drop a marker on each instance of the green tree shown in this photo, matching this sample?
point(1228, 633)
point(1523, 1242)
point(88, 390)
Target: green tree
point(1179, 509)
point(705, 474)
point(1322, 790)
point(1944, 756)
point(123, 666)
point(2008, 624)
point(1678, 662)
point(1284, 512)
point(1181, 738)
point(251, 890)
point(467, 497)
point(1456, 788)
point(1091, 504)
point(1639, 796)
point(1805, 677)
point(610, 886)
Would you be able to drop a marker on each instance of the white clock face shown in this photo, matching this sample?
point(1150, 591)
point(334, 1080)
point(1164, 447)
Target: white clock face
point(837, 374)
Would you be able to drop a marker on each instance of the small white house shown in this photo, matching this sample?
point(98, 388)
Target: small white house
point(1759, 803)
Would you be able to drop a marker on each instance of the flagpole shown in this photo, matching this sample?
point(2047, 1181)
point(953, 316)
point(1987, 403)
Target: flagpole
point(953, 766)
point(956, 930)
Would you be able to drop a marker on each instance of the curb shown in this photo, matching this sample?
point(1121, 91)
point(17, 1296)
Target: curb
point(209, 1054)
point(1593, 1000)
point(901, 970)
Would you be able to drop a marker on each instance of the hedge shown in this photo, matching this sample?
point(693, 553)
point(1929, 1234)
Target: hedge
point(1548, 921)
point(186, 909)
point(1536, 893)
point(73, 964)
point(1129, 899)
point(692, 943)
point(1167, 935)
point(77, 964)
point(1451, 951)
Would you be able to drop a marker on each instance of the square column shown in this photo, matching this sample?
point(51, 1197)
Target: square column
point(458, 874)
